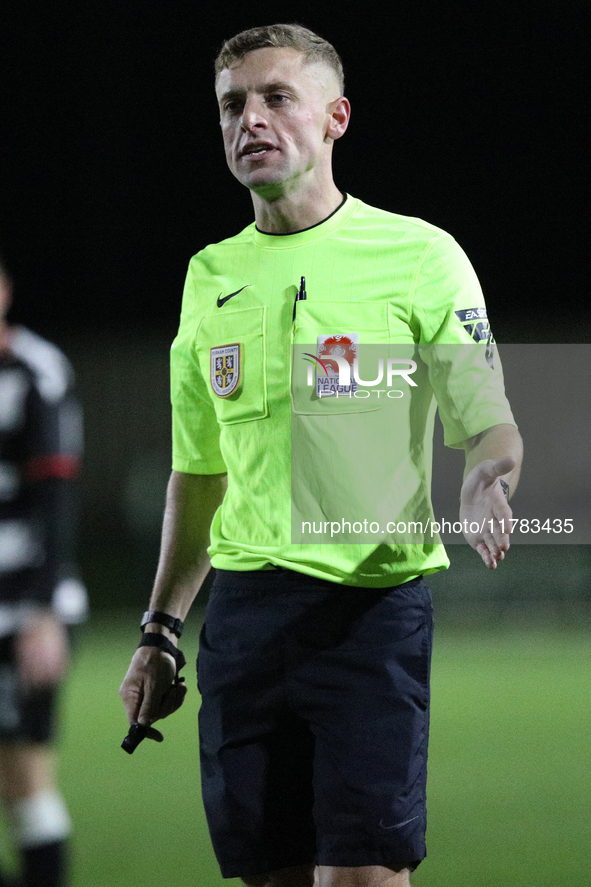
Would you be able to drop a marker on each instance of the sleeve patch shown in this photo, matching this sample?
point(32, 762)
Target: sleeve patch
point(475, 322)
point(471, 314)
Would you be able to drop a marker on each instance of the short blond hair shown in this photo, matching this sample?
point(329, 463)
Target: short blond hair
point(312, 47)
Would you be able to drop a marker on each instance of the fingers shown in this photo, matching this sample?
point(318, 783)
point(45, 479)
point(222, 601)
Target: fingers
point(501, 524)
point(503, 466)
point(132, 702)
point(158, 706)
point(157, 689)
point(497, 542)
point(483, 504)
point(493, 540)
point(154, 734)
point(137, 733)
point(484, 479)
point(486, 556)
point(172, 699)
point(148, 691)
point(493, 546)
point(131, 690)
point(490, 558)
point(147, 714)
point(489, 471)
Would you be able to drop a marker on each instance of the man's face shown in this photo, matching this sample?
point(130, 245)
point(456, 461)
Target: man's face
point(274, 114)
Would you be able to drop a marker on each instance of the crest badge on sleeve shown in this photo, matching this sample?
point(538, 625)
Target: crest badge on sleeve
point(225, 369)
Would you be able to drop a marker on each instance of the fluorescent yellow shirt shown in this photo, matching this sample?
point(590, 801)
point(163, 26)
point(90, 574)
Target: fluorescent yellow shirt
point(387, 278)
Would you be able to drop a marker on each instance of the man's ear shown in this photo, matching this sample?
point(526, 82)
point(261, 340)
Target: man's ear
point(339, 115)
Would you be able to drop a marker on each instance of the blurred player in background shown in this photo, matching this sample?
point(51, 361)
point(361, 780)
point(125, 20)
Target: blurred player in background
point(40, 450)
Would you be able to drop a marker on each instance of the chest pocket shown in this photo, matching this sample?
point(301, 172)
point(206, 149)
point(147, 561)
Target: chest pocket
point(232, 357)
point(338, 318)
point(368, 322)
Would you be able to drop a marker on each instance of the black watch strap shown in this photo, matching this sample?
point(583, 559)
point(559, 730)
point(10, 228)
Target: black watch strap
point(171, 622)
point(153, 639)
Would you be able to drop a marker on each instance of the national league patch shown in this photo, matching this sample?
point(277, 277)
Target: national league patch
point(225, 368)
point(327, 382)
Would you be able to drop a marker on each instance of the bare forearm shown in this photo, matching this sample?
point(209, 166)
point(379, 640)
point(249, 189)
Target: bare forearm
point(149, 690)
point(191, 502)
point(495, 443)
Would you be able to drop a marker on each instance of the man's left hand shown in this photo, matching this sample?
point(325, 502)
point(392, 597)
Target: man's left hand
point(483, 502)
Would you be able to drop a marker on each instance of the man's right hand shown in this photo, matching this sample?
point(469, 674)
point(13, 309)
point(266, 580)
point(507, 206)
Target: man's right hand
point(148, 691)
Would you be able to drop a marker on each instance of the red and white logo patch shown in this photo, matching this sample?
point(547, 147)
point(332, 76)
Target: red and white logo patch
point(343, 346)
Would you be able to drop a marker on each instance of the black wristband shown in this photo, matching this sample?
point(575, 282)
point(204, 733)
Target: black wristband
point(153, 639)
point(504, 487)
point(171, 622)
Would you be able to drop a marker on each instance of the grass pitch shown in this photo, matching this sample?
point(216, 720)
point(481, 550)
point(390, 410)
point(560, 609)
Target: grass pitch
point(509, 775)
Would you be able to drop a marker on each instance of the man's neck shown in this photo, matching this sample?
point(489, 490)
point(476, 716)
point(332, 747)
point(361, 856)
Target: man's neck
point(295, 212)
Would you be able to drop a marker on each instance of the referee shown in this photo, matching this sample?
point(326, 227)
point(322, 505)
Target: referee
point(314, 658)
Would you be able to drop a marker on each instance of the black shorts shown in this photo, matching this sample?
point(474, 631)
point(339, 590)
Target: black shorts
point(314, 721)
point(25, 716)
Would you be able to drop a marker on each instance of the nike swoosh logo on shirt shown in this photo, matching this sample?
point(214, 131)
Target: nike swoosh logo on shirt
point(225, 299)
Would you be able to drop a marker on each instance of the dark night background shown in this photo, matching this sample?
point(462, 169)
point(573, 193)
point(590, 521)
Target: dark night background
point(470, 115)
